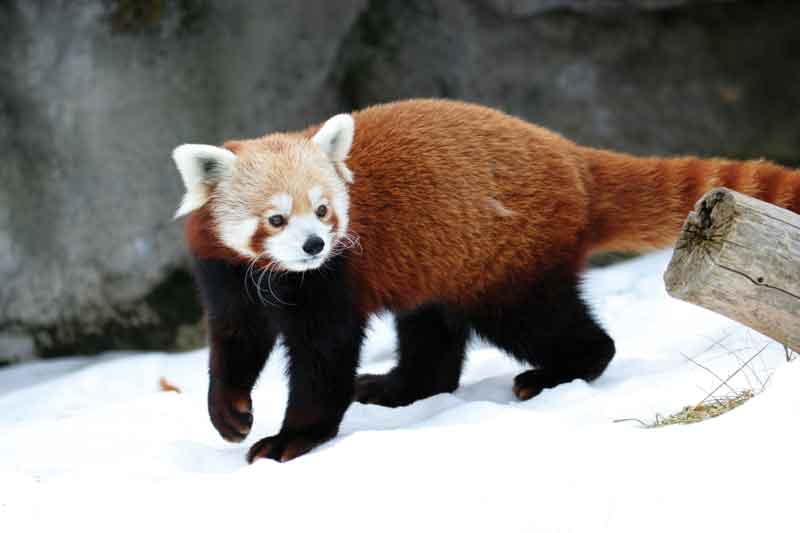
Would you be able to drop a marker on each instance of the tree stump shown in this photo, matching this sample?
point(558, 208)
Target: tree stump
point(740, 257)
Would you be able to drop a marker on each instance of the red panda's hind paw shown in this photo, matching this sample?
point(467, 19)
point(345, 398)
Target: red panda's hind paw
point(396, 390)
point(388, 390)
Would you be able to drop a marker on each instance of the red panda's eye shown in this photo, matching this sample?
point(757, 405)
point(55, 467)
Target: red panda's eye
point(322, 211)
point(277, 221)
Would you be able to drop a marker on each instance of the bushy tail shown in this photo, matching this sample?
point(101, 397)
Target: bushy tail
point(640, 204)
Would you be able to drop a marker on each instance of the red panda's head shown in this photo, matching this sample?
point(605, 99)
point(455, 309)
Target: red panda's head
point(281, 198)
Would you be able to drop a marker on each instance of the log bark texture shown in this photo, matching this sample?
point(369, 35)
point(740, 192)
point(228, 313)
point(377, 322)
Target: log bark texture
point(740, 257)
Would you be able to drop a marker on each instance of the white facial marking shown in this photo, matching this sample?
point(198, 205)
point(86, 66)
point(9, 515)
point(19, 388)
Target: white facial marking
point(315, 196)
point(287, 246)
point(340, 202)
point(239, 235)
point(282, 203)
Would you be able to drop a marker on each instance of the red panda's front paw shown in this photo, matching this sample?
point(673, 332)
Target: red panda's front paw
point(230, 410)
point(287, 445)
point(530, 383)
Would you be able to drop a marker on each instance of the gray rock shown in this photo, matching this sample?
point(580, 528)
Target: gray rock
point(94, 97)
point(535, 7)
point(712, 79)
point(95, 94)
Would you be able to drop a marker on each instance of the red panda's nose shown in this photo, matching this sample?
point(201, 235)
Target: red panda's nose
point(313, 245)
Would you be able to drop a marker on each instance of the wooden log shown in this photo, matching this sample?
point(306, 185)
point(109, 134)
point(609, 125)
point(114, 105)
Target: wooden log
point(740, 257)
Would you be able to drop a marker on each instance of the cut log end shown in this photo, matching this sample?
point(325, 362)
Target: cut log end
point(740, 257)
point(700, 241)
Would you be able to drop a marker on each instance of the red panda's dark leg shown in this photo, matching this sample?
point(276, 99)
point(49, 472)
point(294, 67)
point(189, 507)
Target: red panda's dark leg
point(552, 329)
point(241, 338)
point(323, 333)
point(431, 342)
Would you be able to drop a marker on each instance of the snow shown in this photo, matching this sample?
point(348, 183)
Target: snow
point(93, 443)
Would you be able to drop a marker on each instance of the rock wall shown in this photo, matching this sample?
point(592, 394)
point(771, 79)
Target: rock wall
point(98, 92)
point(95, 96)
point(710, 78)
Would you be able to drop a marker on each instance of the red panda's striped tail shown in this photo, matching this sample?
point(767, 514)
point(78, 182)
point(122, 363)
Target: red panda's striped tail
point(640, 204)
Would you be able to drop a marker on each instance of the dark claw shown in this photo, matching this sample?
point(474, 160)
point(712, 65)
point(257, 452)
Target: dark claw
point(230, 410)
point(530, 384)
point(286, 446)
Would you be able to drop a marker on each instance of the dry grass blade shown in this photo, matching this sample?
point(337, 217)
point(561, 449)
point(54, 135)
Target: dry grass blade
point(704, 410)
point(741, 367)
point(725, 382)
point(713, 405)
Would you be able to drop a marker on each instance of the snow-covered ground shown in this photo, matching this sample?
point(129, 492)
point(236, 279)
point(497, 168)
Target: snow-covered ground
point(93, 444)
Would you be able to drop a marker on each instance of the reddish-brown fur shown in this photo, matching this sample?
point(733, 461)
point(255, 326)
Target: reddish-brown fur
point(457, 203)
point(201, 237)
point(640, 203)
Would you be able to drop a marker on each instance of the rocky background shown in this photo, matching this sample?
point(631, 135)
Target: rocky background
point(96, 93)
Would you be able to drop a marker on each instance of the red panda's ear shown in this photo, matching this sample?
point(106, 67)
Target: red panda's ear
point(233, 146)
point(335, 138)
point(201, 166)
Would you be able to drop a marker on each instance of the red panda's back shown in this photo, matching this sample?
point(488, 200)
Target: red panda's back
point(454, 201)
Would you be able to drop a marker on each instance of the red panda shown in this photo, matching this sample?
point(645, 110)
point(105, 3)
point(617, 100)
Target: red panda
point(456, 217)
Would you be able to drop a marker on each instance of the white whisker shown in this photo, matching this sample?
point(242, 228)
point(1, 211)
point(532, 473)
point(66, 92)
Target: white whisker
point(264, 271)
point(249, 274)
point(269, 285)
